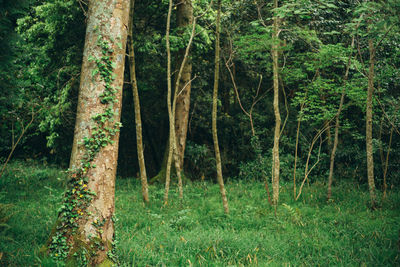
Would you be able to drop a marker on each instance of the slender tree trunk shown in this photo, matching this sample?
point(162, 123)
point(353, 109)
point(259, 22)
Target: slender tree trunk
point(138, 120)
point(173, 140)
point(337, 123)
point(173, 151)
point(14, 144)
point(308, 170)
point(387, 163)
point(184, 17)
point(214, 113)
point(380, 145)
point(275, 151)
point(370, 159)
point(329, 136)
point(169, 106)
point(295, 155)
point(180, 111)
point(85, 227)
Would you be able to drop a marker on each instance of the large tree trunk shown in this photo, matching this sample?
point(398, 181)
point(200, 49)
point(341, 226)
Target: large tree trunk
point(370, 158)
point(85, 227)
point(214, 113)
point(275, 151)
point(138, 120)
point(184, 17)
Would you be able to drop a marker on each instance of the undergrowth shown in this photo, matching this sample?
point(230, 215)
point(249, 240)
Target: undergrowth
point(196, 231)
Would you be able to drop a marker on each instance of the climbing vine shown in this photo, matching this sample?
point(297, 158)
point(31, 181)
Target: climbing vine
point(78, 196)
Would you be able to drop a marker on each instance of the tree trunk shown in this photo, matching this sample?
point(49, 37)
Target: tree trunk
point(85, 229)
point(337, 123)
point(370, 159)
point(328, 136)
point(295, 153)
point(184, 17)
point(214, 113)
point(181, 104)
point(169, 106)
point(387, 163)
point(172, 150)
point(138, 120)
point(275, 151)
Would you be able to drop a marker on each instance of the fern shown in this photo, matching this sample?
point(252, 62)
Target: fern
point(294, 215)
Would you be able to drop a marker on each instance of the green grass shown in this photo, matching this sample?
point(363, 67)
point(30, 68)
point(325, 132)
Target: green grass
point(195, 231)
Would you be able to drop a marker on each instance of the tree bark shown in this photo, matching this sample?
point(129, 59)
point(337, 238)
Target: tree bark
point(387, 163)
point(172, 150)
point(214, 112)
point(370, 158)
point(296, 152)
point(86, 217)
point(138, 120)
point(184, 17)
point(169, 106)
point(275, 151)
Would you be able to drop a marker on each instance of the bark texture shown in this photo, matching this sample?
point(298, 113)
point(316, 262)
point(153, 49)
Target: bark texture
point(107, 20)
point(136, 101)
point(214, 113)
point(275, 151)
point(370, 157)
point(184, 18)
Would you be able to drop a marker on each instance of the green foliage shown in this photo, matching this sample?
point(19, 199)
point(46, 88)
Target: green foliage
point(39, 69)
point(22, 185)
point(6, 212)
point(254, 170)
point(40, 62)
point(45, 47)
point(199, 160)
point(307, 232)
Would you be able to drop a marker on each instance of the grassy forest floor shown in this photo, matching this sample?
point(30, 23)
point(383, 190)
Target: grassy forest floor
point(196, 232)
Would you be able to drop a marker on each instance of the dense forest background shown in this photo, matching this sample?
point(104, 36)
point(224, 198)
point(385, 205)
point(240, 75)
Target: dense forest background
point(42, 43)
point(308, 106)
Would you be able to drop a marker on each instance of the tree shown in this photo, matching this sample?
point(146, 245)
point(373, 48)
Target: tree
point(184, 18)
point(337, 121)
point(381, 19)
point(172, 151)
point(84, 231)
point(214, 112)
point(181, 99)
point(138, 119)
point(277, 132)
point(368, 121)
